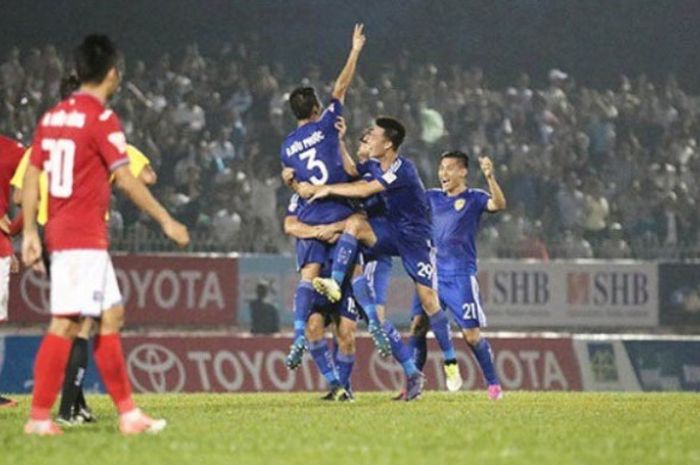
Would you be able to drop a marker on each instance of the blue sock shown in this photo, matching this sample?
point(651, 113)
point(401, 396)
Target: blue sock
point(303, 300)
point(344, 256)
point(345, 363)
point(324, 362)
point(440, 326)
point(419, 348)
point(401, 353)
point(484, 355)
point(365, 297)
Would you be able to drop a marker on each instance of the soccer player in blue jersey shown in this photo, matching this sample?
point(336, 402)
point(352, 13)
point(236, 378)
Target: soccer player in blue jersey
point(312, 151)
point(404, 231)
point(457, 211)
point(315, 245)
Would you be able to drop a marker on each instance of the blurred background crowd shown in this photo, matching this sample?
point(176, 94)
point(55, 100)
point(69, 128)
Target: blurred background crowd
point(604, 171)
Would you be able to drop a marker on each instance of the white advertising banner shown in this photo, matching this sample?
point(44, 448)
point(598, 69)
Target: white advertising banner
point(570, 294)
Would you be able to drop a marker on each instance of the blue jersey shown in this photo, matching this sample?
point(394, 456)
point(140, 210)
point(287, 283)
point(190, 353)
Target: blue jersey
point(455, 225)
point(313, 151)
point(407, 209)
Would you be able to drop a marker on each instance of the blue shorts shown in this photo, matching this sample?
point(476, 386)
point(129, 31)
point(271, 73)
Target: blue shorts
point(345, 308)
point(312, 251)
point(460, 295)
point(417, 253)
point(378, 274)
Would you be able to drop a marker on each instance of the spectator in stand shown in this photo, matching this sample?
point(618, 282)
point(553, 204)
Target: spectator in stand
point(595, 212)
point(264, 317)
point(210, 121)
point(614, 246)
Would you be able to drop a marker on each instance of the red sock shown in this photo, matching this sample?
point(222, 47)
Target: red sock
point(109, 358)
point(49, 369)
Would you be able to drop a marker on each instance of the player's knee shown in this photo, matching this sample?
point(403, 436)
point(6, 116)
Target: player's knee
point(472, 336)
point(346, 340)
point(315, 327)
point(64, 327)
point(112, 320)
point(354, 224)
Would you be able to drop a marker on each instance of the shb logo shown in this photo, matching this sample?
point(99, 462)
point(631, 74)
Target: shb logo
point(153, 368)
point(34, 288)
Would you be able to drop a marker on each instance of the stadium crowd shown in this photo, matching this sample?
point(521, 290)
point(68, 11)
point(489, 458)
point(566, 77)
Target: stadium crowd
point(588, 173)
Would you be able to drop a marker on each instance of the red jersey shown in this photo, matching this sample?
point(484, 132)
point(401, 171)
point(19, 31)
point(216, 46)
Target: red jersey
point(11, 153)
point(79, 143)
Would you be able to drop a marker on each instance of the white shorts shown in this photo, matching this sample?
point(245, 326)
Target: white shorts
point(83, 282)
point(4, 286)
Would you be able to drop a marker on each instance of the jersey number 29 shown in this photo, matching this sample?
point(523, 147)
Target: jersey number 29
point(60, 166)
point(313, 163)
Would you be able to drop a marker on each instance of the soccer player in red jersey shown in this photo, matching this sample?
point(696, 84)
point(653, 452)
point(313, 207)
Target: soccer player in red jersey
point(80, 143)
point(10, 155)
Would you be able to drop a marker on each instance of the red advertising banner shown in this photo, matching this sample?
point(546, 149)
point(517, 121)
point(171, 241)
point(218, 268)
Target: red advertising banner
point(157, 290)
point(249, 364)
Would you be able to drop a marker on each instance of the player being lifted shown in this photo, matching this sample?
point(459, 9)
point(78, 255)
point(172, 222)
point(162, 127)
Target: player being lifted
point(457, 211)
point(377, 271)
point(312, 151)
point(405, 231)
point(80, 143)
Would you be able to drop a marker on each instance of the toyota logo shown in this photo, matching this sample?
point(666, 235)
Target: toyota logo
point(35, 289)
point(153, 368)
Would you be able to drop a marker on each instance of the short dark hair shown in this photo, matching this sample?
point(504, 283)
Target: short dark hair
point(69, 84)
point(94, 58)
point(302, 101)
point(393, 129)
point(457, 155)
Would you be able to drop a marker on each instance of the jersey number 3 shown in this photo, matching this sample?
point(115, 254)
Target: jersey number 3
point(60, 166)
point(312, 163)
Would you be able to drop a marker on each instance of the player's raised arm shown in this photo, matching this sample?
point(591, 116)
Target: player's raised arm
point(142, 198)
point(497, 202)
point(345, 77)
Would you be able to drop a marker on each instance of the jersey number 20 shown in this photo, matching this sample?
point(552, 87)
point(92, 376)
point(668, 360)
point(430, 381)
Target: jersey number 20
point(312, 163)
point(60, 166)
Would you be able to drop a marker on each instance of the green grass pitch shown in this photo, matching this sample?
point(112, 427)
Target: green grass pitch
point(440, 428)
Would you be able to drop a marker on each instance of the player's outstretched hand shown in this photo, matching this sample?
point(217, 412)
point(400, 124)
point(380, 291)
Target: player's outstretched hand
point(31, 252)
point(177, 232)
point(288, 176)
point(486, 166)
point(358, 37)
point(341, 126)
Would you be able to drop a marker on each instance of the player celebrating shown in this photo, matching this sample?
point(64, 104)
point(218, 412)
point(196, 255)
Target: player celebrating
point(406, 232)
point(10, 155)
point(457, 211)
point(312, 151)
point(80, 143)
